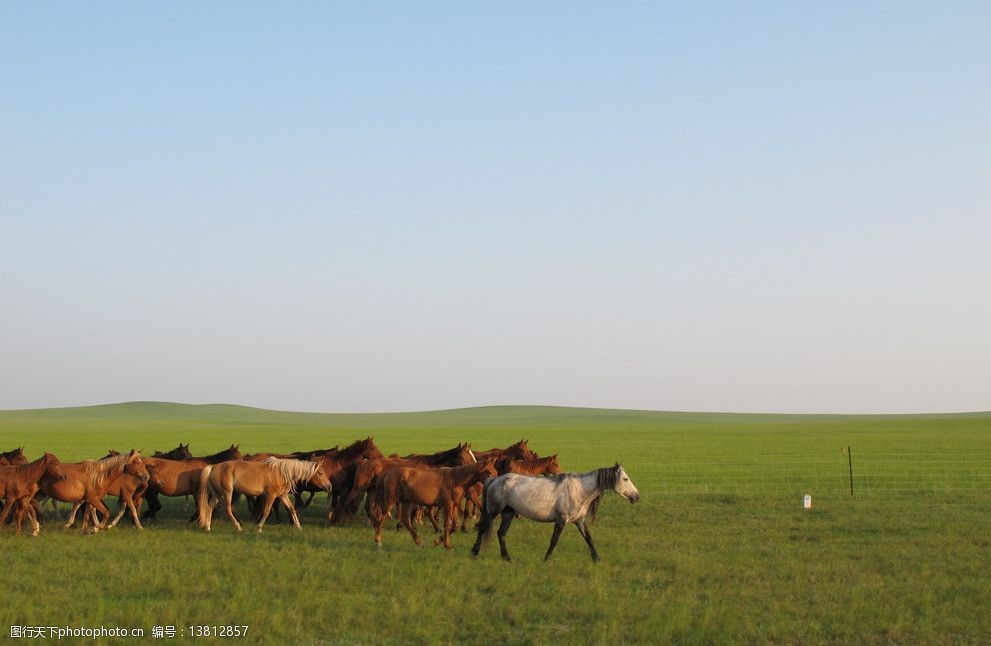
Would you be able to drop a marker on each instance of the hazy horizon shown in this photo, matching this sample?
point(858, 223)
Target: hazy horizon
point(767, 208)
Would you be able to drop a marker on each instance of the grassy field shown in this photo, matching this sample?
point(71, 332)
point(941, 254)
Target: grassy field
point(719, 550)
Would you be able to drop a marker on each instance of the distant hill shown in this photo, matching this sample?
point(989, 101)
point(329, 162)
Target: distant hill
point(207, 415)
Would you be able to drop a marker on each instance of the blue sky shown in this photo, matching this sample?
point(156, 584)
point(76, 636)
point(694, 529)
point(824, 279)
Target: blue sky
point(772, 207)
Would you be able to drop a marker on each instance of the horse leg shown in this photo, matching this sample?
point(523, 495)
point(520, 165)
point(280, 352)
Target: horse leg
point(406, 518)
point(229, 501)
point(103, 510)
point(558, 526)
point(583, 529)
point(72, 515)
point(134, 504)
point(450, 524)
point(35, 525)
point(153, 504)
point(292, 511)
point(508, 514)
point(122, 507)
point(432, 513)
point(266, 510)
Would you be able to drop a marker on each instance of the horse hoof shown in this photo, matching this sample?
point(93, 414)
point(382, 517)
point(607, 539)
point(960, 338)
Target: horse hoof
point(507, 559)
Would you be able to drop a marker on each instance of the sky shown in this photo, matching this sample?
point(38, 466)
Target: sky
point(778, 207)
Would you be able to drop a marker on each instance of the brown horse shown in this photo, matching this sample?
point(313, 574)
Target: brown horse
point(86, 485)
point(18, 485)
point(442, 487)
point(129, 490)
point(273, 478)
point(15, 458)
point(178, 453)
point(334, 463)
point(361, 477)
point(518, 451)
point(182, 477)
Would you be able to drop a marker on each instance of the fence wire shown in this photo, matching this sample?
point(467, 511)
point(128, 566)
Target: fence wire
point(823, 474)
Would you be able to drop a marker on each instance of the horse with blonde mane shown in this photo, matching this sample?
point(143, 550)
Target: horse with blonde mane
point(273, 478)
point(87, 483)
point(129, 490)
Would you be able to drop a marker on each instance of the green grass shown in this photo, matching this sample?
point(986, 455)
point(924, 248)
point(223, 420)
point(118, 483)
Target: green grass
point(719, 550)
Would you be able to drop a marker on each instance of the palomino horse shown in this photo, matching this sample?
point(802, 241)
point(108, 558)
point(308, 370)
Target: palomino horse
point(561, 499)
point(18, 484)
point(360, 477)
point(181, 477)
point(410, 486)
point(273, 478)
point(87, 483)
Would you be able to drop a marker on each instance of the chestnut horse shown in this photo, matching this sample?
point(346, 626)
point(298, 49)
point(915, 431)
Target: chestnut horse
point(519, 451)
point(14, 458)
point(181, 477)
point(411, 486)
point(360, 477)
point(129, 489)
point(19, 484)
point(87, 483)
point(273, 478)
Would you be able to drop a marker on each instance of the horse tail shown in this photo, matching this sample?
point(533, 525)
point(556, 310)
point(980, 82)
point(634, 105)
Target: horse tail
point(203, 496)
point(485, 519)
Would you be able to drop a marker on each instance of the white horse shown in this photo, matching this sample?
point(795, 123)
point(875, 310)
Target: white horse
point(559, 499)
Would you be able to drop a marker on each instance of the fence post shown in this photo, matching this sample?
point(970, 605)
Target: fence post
point(849, 460)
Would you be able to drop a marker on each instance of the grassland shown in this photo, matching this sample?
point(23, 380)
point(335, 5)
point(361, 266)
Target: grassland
point(719, 550)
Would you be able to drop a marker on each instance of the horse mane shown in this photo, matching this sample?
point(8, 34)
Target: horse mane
point(95, 470)
point(354, 449)
point(292, 470)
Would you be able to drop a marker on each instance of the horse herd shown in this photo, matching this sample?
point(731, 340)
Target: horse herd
point(448, 486)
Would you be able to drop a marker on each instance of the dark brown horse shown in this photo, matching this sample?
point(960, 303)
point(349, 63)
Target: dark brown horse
point(19, 484)
point(178, 453)
point(360, 478)
point(411, 486)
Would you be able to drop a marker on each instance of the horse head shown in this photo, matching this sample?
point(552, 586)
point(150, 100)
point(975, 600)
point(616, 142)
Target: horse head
point(623, 485)
point(370, 451)
point(553, 466)
point(320, 479)
point(136, 466)
point(465, 454)
point(154, 477)
point(53, 466)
